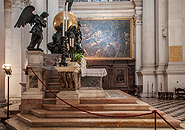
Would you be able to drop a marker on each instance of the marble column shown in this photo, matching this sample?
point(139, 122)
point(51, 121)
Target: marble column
point(2, 53)
point(148, 49)
point(176, 40)
point(162, 44)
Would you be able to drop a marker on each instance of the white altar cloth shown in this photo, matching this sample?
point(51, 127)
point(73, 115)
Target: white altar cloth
point(94, 72)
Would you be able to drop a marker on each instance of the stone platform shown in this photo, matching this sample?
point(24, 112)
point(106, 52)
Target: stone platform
point(116, 102)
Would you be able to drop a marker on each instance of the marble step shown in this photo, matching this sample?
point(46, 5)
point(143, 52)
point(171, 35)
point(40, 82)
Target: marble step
point(99, 107)
point(54, 79)
point(49, 100)
point(15, 124)
point(34, 121)
point(107, 101)
point(54, 86)
point(41, 113)
point(48, 94)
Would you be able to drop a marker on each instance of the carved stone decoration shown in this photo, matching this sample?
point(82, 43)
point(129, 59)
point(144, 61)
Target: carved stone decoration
point(68, 81)
point(63, 81)
point(33, 82)
point(8, 4)
point(120, 78)
point(50, 61)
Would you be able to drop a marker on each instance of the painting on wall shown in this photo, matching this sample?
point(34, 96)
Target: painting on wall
point(107, 38)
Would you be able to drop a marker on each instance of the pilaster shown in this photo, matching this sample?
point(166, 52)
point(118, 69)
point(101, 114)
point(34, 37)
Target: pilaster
point(2, 53)
point(138, 33)
point(14, 40)
point(148, 49)
point(176, 31)
point(161, 38)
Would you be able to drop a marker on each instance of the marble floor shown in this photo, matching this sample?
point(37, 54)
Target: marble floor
point(174, 108)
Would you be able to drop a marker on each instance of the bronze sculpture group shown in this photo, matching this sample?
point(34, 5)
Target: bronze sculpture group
point(64, 44)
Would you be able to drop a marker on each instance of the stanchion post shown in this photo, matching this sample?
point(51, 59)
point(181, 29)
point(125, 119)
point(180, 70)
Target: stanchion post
point(8, 98)
point(155, 121)
point(8, 71)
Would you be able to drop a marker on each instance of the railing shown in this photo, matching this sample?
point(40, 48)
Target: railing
point(154, 111)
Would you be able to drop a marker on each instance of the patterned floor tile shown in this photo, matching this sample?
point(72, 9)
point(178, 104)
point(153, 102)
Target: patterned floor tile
point(174, 108)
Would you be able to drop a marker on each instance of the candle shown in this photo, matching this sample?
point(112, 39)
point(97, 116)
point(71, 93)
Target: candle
point(73, 42)
point(70, 40)
point(63, 20)
point(66, 16)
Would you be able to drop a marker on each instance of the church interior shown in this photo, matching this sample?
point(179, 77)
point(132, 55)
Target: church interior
point(92, 64)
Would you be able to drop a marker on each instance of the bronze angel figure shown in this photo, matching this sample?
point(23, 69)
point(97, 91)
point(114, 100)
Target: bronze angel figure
point(33, 19)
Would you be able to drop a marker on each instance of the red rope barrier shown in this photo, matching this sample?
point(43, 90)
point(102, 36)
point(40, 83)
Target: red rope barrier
point(131, 90)
point(164, 119)
point(154, 111)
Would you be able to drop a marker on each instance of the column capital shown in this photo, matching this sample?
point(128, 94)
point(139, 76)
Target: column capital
point(138, 19)
point(16, 3)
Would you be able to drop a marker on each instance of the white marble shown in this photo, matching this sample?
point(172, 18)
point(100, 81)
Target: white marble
point(33, 93)
point(148, 48)
point(161, 41)
point(35, 58)
point(94, 72)
point(92, 93)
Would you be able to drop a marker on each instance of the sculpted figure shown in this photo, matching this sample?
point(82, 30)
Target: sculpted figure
point(55, 46)
point(33, 19)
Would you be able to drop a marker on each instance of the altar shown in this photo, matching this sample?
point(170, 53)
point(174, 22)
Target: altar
point(91, 82)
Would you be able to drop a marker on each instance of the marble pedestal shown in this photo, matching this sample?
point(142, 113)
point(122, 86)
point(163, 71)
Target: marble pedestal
point(33, 96)
point(69, 78)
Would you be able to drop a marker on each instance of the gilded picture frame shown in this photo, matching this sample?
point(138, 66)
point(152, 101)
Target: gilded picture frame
point(107, 38)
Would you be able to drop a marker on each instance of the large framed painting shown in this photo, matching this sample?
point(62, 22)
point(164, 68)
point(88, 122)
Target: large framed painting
point(107, 38)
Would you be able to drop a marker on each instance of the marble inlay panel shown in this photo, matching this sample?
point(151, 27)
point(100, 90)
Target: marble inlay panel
point(90, 81)
point(175, 53)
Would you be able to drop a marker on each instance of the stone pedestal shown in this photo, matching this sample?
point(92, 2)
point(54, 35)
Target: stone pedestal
point(33, 95)
point(32, 98)
point(69, 78)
